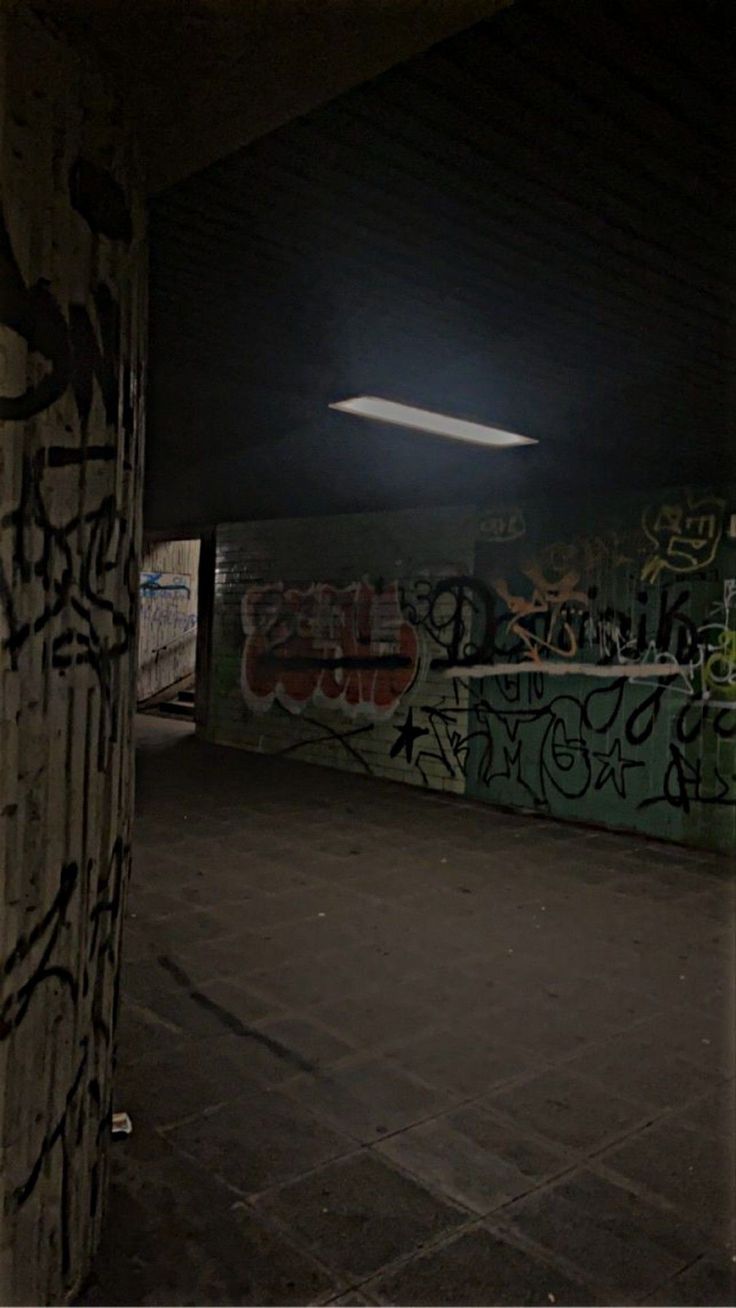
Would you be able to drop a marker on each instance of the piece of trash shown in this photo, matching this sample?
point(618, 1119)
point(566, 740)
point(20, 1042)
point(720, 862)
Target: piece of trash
point(320, 915)
point(682, 978)
point(443, 860)
point(551, 1298)
point(121, 1124)
point(704, 1041)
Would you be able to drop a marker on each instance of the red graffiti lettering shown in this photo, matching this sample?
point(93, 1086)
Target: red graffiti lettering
point(349, 649)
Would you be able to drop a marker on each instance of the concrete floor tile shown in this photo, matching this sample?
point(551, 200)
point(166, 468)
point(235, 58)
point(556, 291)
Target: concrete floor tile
point(713, 1114)
point(142, 1034)
point(308, 1040)
point(479, 1268)
point(303, 983)
point(367, 1099)
point(243, 1003)
point(604, 1005)
point(275, 875)
point(258, 1140)
point(189, 927)
point(375, 1018)
point(568, 1110)
point(706, 1043)
point(458, 945)
point(694, 1172)
point(708, 1281)
point(160, 1248)
point(143, 979)
point(151, 902)
point(450, 989)
point(547, 1031)
point(235, 956)
point(174, 1085)
point(473, 1158)
point(296, 905)
point(263, 1059)
point(714, 903)
point(177, 1008)
point(351, 1299)
point(589, 869)
point(630, 1067)
point(666, 883)
point(400, 882)
point(312, 937)
point(360, 1214)
point(464, 1060)
point(532, 1159)
point(618, 1241)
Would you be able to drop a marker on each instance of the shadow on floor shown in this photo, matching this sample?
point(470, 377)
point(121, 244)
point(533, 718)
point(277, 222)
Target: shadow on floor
point(385, 1047)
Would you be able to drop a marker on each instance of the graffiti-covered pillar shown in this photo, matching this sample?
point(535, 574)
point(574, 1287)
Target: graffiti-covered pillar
point(71, 332)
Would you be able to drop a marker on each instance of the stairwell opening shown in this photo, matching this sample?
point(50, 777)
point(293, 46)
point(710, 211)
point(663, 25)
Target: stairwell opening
point(168, 628)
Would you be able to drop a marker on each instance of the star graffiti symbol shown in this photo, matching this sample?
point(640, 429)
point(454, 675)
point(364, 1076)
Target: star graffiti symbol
point(613, 768)
point(407, 735)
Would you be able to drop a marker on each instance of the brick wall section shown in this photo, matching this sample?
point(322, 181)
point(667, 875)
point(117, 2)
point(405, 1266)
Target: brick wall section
point(72, 311)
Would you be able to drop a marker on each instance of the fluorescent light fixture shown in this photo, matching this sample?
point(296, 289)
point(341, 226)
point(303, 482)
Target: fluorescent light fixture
point(439, 424)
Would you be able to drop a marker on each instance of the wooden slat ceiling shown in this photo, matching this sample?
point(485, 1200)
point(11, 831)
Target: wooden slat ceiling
point(531, 224)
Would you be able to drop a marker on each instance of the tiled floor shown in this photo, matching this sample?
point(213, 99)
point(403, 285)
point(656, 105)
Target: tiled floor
point(384, 1047)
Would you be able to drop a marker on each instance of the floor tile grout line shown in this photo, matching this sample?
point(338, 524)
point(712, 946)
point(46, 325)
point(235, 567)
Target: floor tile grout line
point(658, 1201)
point(540, 1252)
point(669, 1280)
point(272, 1222)
point(672, 1110)
point(474, 1218)
point(446, 1110)
point(607, 1290)
point(505, 1200)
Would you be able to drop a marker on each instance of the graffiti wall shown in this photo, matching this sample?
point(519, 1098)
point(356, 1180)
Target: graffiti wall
point(167, 630)
point(349, 648)
point(609, 690)
point(574, 662)
point(72, 315)
point(324, 634)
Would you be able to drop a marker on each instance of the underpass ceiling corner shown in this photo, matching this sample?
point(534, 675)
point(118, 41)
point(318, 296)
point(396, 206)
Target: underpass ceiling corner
point(207, 77)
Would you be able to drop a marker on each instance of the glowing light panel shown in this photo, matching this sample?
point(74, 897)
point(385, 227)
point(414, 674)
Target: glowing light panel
point(439, 424)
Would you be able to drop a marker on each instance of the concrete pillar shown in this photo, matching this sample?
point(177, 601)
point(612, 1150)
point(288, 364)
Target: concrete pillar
point(72, 288)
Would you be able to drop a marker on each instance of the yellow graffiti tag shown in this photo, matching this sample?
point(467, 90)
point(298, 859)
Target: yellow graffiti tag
point(719, 672)
point(685, 534)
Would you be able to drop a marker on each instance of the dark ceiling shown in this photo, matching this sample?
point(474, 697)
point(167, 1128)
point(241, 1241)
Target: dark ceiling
point(204, 77)
point(531, 224)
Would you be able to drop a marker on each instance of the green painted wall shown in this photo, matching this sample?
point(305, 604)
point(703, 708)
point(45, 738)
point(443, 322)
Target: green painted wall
point(578, 661)
point(642, 593)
